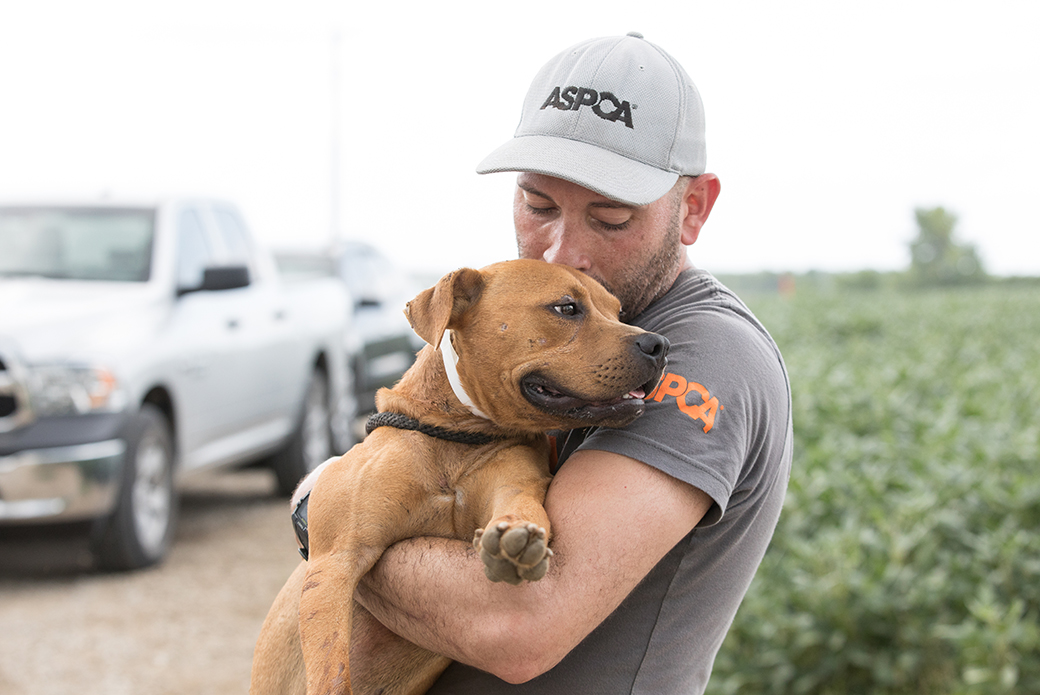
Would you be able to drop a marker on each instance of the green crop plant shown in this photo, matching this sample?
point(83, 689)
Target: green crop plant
point(907, 557)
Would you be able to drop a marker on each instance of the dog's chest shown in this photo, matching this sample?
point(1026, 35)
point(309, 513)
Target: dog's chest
point(447, 492)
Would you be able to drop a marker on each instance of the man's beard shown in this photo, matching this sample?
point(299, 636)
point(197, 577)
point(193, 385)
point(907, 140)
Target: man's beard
point(643, 285)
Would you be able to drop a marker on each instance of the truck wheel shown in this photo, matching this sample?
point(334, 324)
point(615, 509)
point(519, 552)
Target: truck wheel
point(139, 532)
point(311, 442)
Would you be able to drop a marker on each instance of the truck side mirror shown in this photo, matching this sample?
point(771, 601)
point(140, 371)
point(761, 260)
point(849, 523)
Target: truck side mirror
point(368, 303)
point(227, 277)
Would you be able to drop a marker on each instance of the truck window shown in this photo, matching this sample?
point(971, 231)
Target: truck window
point(233, 236)
point(194, 254)
point(110, 244)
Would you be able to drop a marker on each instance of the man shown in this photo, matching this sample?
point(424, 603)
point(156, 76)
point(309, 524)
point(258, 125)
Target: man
point(659, 527)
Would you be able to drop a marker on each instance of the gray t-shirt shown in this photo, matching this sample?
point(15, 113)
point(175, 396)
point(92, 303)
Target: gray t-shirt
point(720, 420)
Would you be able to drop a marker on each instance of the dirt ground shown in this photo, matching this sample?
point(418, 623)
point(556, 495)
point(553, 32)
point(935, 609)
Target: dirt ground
point(185, 628)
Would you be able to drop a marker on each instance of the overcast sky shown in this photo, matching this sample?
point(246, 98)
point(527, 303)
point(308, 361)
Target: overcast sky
point(827, 122)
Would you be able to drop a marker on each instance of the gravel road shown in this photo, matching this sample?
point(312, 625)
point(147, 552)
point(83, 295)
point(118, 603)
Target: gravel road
point(185, 628)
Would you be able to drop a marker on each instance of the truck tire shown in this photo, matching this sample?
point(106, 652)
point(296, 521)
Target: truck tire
point(140, 530)
point(311, 441)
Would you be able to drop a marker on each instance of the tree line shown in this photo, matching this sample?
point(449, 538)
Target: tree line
point(937, 259)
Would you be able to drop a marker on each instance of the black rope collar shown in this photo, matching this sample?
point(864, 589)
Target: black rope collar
point(403, 422)
point(398, 421)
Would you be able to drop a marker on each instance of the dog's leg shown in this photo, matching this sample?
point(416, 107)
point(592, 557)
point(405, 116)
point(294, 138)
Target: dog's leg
point(326, 614)
point(513, 538)
point(358, 508)
point(381, 663)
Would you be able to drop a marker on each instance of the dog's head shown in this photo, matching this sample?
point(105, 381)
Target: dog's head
point(540, 346)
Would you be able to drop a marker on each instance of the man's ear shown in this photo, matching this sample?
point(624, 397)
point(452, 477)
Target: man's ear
point(699, 198)
point(440, 307)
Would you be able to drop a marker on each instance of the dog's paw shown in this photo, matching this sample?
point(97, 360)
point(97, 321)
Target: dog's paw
point(513, 552)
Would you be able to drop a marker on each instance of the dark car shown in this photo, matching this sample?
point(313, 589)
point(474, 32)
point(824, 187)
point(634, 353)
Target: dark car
point(381, 343)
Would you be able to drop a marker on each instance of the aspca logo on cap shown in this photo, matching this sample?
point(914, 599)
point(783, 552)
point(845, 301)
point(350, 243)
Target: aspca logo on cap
point(604, 104)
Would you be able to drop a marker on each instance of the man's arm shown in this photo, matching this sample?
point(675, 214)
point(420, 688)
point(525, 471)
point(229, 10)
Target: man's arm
point(613, 518)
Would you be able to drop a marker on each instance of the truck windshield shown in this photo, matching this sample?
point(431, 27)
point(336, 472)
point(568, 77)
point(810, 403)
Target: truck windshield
point(113, 244)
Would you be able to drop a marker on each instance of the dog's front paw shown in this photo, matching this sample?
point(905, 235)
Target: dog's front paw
point(513, 552)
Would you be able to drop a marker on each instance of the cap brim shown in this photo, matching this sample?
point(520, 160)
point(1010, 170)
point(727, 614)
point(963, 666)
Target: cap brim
point(599, 170)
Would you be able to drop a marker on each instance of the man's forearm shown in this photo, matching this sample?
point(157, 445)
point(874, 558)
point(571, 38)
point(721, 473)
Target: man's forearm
point(398, 590)
point(433, 592)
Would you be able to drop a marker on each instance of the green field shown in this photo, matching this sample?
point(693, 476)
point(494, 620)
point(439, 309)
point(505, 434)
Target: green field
point(907, 559)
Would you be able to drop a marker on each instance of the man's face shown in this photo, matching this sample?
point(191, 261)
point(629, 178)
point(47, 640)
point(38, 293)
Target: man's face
point(634, 251)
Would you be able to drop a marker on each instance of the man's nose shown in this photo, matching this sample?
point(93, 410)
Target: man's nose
point(566, 246)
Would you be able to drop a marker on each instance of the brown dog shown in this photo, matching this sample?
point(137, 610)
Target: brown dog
point(539, 347)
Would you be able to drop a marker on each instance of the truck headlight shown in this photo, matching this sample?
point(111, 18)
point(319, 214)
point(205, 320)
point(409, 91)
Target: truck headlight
point(72, 390)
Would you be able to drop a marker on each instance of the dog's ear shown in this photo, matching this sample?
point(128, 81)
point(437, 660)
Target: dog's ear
point(439, 308)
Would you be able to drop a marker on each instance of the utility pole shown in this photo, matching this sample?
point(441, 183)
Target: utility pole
point(334, 146)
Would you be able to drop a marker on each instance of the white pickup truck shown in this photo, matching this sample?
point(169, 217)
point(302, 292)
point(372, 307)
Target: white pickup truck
point(140, 342)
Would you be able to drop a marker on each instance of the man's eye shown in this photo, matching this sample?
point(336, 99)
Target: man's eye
point(568, 309)
point(614, 227)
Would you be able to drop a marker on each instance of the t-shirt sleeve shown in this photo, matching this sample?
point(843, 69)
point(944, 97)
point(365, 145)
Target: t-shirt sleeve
point(722, 382)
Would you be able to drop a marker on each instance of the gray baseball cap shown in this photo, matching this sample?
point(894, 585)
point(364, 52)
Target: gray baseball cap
point(616, 115)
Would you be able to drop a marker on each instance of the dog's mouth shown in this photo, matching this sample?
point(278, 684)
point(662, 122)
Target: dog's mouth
point(547, 396)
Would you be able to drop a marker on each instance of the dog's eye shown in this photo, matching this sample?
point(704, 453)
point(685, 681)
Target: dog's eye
point(567, 309)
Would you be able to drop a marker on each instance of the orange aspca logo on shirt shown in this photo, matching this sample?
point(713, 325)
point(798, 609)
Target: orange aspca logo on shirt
point(677, 386)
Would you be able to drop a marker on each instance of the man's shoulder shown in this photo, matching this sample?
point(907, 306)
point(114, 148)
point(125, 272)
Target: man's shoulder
point(695, 290)
point(698, 306)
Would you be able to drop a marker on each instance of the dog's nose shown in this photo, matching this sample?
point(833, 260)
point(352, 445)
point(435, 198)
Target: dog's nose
point(653, 346)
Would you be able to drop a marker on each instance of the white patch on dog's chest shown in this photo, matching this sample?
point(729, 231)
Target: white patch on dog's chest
point(447, 493)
